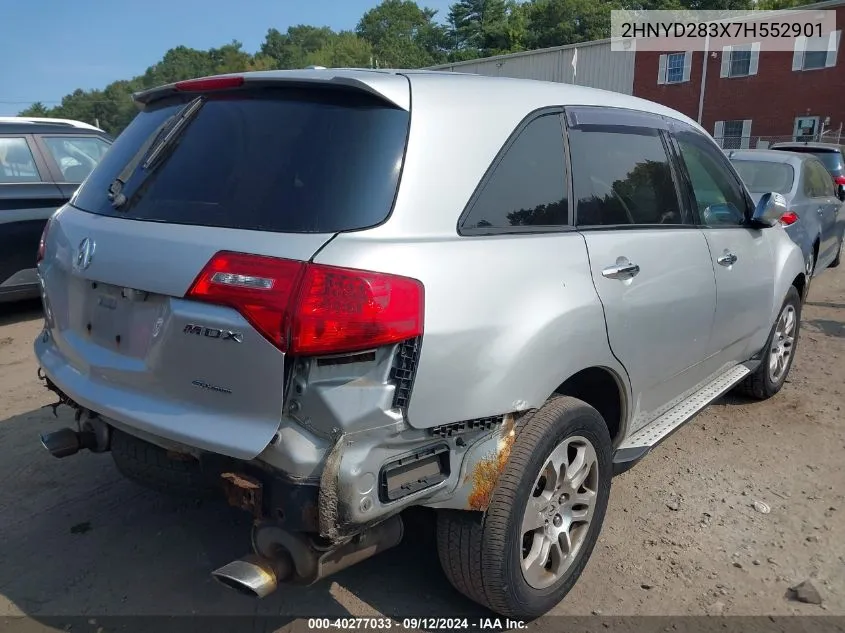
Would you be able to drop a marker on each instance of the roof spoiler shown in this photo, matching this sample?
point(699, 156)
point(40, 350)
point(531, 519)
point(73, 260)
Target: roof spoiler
point(389, 87)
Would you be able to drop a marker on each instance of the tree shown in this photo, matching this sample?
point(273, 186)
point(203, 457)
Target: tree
point(478, 25)
point(291, 49)
point(37, 109)
point(403, 35)
point(551, 22)
point(344, 50)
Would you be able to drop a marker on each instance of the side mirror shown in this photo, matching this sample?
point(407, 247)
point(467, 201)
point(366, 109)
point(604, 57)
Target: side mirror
point(770, 209)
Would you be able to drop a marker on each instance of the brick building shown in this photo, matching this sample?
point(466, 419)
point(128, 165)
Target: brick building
point(749, 97)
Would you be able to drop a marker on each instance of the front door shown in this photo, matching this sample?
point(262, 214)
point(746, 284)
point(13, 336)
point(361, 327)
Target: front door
point(650, 264)
point(741, 256)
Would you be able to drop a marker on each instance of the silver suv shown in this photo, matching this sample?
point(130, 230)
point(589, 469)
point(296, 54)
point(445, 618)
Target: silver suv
point(331, 295)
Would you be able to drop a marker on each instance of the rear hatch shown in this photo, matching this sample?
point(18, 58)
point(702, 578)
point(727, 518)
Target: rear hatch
point(269, 170)
point(831, 157)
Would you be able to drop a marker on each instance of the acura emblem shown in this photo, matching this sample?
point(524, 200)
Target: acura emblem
point(85, 253)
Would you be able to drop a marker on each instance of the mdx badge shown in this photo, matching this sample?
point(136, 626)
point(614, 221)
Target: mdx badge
point(210, 332)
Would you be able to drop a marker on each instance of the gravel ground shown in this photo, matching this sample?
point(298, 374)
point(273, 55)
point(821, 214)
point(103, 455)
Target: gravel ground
point(682, 536)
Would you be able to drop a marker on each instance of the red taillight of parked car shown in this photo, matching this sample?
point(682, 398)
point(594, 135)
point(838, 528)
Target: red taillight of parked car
point(790, 217)
point(311, 309)
point(42, 243)
point(839, 180)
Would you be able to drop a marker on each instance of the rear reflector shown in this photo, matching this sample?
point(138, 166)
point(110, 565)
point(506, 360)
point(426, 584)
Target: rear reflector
point(311, 309)
point(790, 217)
point(212, 83)
point(42, 243)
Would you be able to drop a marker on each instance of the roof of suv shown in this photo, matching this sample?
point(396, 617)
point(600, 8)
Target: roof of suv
point(831, 147)
point(23, 127)
point(476, 91)
point(768, 155)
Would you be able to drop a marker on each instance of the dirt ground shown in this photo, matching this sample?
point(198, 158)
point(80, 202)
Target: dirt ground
point(682, 536)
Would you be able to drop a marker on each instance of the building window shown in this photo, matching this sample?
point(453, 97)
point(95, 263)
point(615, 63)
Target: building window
point(674, 68)
point(740, 61)
point(816, 52)
point(734, 134)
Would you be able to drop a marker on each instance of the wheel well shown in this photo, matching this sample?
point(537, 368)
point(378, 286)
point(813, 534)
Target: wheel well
point(600, 389)
point(800, 283)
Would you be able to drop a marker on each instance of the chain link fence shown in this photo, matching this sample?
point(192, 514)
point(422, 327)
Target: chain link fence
point(836, 137)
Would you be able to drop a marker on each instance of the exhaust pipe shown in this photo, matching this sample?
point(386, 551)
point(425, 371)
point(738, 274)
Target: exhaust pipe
point(294, 559)
point(66, 442)
point(255, 575)
point(95, 436)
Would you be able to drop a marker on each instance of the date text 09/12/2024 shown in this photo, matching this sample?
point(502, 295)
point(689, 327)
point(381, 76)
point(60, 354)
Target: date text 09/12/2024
point(414, 624)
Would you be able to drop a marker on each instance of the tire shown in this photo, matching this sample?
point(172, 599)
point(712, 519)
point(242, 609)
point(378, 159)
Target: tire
point(763, 383)
point(482, 553)
point(151, 467)
point(836, 261)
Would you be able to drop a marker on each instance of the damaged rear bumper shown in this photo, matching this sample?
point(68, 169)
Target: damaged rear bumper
point(337, 483)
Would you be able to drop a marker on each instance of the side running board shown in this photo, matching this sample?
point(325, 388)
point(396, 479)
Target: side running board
point(640, 443)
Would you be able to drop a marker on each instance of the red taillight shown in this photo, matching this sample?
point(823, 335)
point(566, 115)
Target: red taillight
point(260, 288)
point(343, 310)
point(42, 243)
point(311, 309)
point(839, 180)
point(212, 83)
point(790, 217)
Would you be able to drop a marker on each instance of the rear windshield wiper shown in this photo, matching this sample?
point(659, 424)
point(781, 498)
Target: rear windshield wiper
point(156, 148)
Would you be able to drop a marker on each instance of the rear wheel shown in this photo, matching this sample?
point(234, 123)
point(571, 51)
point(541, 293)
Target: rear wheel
point(779, 353)
point(523, 555)
point(155, 468)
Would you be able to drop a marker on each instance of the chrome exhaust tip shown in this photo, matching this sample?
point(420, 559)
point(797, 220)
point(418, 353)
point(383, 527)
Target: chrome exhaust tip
point(253, 576)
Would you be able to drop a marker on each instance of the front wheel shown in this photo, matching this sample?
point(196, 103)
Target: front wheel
point(524, 554)
point(779, 353)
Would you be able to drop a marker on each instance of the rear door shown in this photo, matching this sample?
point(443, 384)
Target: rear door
point(821, 192)
point(272, 172)
point(740, 256)
point(27, 198)
point(650, 263)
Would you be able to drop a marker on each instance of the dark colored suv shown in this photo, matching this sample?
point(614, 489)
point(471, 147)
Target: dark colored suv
point(41, 165)
point(832, 155)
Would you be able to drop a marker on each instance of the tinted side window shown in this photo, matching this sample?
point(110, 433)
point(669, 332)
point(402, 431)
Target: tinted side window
point(718, 194)
point(76, 156)
point(16, 161)
point(528, 185)
point(817, 181)
point(622, 175)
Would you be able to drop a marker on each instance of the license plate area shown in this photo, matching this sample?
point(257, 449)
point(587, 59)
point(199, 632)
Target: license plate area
point(122, 320)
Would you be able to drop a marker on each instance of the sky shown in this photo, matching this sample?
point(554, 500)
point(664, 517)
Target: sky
point(49, 48)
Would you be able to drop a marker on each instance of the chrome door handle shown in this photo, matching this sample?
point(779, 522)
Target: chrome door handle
point(728, 259)
point(621, 270)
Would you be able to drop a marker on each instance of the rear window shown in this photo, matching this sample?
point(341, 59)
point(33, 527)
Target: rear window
point(832, 159)
point(281, 159)
point(764, 176)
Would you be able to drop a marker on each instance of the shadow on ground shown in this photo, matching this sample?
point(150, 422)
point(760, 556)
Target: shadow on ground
point(75, 533)
point(829, 327)
point(20, 311)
